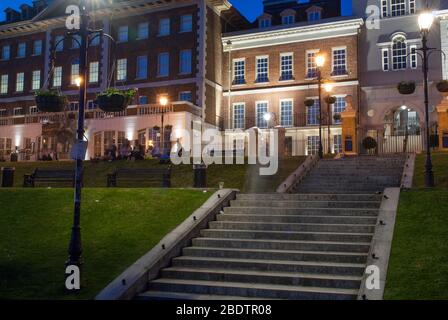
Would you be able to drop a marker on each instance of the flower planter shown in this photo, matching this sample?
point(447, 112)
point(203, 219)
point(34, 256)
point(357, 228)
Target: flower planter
point(113, 100)
point(406, 87)
point(442, 86)
point(330, 100)
point(50, 103)
point(337, 117)
point(309, 102)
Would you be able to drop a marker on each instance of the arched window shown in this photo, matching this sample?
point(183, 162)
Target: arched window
point(399, 53)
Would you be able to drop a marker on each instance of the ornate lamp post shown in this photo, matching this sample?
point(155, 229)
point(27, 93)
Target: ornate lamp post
point(84, 33)
point(163, 101)
point(320, 62)
point(425, 21)
point(328, 89)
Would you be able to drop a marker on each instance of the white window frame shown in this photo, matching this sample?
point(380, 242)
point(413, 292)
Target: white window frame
point(122, 69)
point(287, 54)
point(35, 83)
point(316, 101)
point(186, 26)
point(243, 104)
point(57, 81)
point(384, 8)
point(4, 82)
point(234, 61)
point(307, 67)
point(385, 64)
point(333, 61)
point(281, 112)
point(4, 50)
point(396, 7)
point(74, 73)
point(413, 57)
point(257, 71)
point(314, 15)
point(20, 86)
point(94, 72)
point(338, 96)
point(403, 56)
point(257, 103)
point(14, 112)
point(33, 110)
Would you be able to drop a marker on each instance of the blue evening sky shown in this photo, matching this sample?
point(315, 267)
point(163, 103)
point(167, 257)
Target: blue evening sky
point(251, 8)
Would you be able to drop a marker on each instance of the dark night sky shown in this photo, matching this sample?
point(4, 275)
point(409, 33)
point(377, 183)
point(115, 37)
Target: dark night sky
point(251, 8)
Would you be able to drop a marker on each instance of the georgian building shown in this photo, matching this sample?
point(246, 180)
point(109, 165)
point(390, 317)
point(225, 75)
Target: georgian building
point(163, 48)
point(387, 56)
point(271, 68)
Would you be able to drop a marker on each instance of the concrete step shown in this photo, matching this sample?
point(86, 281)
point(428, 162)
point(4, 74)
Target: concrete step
point(297, 219)
point(263, 277)
point(252, 290)
point(305, 204)
point(309, 197)
point(286, 235)
point(359, 247)
point(303, 211)
point(165, 295)
point(284, 255)
point(348, 228)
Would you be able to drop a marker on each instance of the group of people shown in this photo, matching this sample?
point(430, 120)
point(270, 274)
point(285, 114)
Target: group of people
point(126, 151)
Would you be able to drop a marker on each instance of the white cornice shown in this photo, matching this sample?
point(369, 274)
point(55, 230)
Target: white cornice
point(255, 38)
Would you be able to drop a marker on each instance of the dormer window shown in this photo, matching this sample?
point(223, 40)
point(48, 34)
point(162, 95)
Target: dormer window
point(314, 13)
point(288, 20)
point(288, 16)
point(396, 8)
point(264, 21)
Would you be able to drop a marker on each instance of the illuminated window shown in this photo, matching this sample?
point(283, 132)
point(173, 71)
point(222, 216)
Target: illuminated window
point(286, 113)
point(20, 81)
point(35, 82)
point(238, 116)
point(94, 72)
point(122, 69)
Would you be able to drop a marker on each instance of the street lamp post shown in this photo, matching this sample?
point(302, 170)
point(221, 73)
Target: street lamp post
point(328, 89)
point(163, 102)
point(320, 61)
point(75, 246)
point(425, 21)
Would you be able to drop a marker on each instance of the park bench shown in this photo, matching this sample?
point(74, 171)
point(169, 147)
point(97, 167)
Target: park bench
point(133, 176)
point(50, 177)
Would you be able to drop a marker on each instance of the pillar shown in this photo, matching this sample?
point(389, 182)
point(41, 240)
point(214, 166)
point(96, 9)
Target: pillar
point(349, 134)
point(442, 114)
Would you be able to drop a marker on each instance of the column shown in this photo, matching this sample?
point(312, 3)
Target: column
point(442, 114)
point(349, 135)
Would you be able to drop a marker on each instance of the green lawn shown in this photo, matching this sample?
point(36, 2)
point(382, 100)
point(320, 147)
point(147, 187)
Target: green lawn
point(118, 226)
point(440, 168)
point(244, 177)
point(418, 266)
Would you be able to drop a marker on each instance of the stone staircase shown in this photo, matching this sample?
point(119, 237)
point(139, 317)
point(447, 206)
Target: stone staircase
point(363, 174)
point(310, 245)
point(276, 246)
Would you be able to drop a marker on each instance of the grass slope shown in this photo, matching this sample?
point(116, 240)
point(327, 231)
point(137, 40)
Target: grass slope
point(418, 266)
point(118, 226)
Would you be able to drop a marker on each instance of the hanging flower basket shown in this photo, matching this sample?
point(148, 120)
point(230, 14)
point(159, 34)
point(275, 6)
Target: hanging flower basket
point(406, 87)
point(442, 86)
point(369, 143)
point(330, 99)
point(113, 100)
point(50, 101)
point(337, 117)
point(168, 127)
point(309, 102)
point(156, 128)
